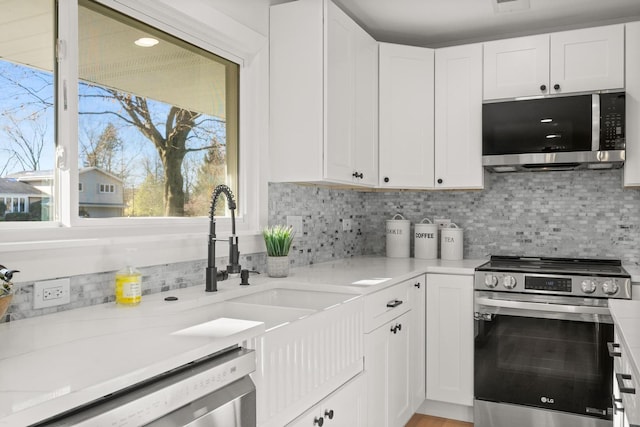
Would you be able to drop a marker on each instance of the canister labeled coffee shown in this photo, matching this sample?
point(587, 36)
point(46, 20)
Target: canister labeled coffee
point(425, 239)
point(398, 233)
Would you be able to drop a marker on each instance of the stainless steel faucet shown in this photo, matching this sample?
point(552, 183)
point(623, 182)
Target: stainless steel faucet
point(212, 273)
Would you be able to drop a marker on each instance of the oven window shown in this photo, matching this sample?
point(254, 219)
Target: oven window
point(552, 364)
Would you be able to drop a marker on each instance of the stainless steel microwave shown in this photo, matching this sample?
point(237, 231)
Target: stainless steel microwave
point(555, 133)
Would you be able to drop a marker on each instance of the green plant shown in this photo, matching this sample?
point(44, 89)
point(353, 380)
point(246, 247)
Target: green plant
point(278, 240)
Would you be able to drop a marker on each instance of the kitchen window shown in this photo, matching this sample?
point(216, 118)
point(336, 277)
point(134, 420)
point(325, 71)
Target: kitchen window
point(109, 113)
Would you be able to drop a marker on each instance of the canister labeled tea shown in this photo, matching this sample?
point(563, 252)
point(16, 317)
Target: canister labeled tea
point(451, 238)
point(425, 240)
point(398, 233)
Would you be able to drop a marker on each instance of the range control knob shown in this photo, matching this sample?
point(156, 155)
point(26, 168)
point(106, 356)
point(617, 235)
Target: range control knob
point(588, 286)
point(490, 281)
point(509, 282)
point(609, 287)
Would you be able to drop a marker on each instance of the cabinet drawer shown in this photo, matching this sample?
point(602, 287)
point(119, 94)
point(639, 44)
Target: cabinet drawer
point(383, 306)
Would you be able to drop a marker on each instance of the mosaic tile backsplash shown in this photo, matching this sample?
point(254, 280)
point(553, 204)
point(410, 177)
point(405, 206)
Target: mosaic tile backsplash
point(565, 214)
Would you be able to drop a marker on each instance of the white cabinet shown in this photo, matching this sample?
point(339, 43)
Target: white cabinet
point(632, 106)
point(387, 370)
point(324, 92)
point(343, 408)
point(417, 357)
point(406, 116)
point(394, 353)
point(450, 338)
point(565, 62)
point(458, 117)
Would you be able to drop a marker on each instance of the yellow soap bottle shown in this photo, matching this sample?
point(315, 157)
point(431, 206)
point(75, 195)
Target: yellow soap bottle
point(128, 286)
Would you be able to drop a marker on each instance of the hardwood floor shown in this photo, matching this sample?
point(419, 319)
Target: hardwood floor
point(419, 420)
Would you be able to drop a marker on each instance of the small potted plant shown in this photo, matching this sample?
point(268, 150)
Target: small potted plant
point(278, 239)
point(6, 291)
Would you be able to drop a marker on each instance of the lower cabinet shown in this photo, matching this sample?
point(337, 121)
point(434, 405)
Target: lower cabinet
point(450, 336)
point(343, 408)
point(387, 368)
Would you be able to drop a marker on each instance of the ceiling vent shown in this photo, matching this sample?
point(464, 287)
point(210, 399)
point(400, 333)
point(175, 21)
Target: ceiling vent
point(503, 6)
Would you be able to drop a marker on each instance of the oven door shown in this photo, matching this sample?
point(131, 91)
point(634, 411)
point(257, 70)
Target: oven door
point(547, 352)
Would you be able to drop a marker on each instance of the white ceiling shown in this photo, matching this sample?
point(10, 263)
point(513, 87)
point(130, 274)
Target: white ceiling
point(436, 23)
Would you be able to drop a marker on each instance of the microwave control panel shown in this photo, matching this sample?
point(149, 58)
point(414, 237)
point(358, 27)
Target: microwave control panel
point(612, 121)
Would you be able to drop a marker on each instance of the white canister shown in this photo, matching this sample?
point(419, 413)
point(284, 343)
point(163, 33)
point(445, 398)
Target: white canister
point(398, 233)
point(425, 239)
point(451, 243)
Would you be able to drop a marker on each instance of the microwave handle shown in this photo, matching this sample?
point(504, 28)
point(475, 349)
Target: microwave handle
point(595, 122)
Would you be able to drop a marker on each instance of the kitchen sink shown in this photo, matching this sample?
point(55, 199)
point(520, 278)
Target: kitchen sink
point(227, 316)
point(293, 298)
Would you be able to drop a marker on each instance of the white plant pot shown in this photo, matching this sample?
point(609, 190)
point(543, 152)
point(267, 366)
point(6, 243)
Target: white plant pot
point(278, 266)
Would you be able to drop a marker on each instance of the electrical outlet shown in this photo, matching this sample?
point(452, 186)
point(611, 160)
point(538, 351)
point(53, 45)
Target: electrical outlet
point(442, 222)
point(296, 223)
point(51, 293)
point(346, 224)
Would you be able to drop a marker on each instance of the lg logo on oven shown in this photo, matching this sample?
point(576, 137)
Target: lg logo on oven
point(548, 400)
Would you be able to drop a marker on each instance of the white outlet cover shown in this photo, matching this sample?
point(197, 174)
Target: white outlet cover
point(346, 224)
point(295, 222)
point(442, 222)
point(39, 288)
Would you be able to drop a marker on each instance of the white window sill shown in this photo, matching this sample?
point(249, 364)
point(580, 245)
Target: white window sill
point(76, 254)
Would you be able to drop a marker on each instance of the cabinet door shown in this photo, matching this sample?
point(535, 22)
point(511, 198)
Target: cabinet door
point(587, 60)
point(450, 338)
point(406, 116)
point(458, 117)
point(417, 354)
point(516, 67)
point(387, 372)
point(366, 109)
point(340, 95)
point(632, 105)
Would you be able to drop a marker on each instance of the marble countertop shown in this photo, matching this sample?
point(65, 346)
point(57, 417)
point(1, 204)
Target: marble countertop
point(56, 362)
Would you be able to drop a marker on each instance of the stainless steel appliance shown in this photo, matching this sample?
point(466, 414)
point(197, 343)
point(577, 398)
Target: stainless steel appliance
point(214, 392)
point(542, 327)
point(567, 132)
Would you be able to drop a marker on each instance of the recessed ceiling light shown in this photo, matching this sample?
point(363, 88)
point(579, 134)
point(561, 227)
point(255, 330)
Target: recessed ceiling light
point(146, 42)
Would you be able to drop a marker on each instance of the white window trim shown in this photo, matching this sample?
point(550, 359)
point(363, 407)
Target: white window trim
point(72, 245)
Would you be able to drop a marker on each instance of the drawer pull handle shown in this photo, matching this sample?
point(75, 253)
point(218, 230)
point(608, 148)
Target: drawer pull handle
point(417, 285)
point(615, 403)
point(396, 328)
point(318, 421)
point(394, 303)
point(329, 413)
point(612, 346)
point(620, 379)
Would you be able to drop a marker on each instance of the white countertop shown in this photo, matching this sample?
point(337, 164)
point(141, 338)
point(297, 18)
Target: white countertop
point(56, 362)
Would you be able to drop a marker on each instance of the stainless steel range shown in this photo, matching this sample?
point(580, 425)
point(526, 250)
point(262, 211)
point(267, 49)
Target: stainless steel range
point(542, 327)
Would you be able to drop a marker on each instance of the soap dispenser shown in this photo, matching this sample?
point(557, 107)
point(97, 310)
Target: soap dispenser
point(128, 284)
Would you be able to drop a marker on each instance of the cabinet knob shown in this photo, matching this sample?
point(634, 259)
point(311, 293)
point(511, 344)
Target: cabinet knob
point(543, 88)
point(386, 179)
point(318, 421)
point(439, 180)
point(417, 285)
point(556, 86)
point(328, 413)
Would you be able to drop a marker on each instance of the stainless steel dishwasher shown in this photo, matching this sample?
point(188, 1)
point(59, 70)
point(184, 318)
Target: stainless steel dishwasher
point(215, 391)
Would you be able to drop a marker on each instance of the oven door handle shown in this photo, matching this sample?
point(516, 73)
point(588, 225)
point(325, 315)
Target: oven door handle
point(546, 307)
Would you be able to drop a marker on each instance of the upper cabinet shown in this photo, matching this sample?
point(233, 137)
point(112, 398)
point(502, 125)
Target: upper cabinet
point(406, 116)
point(458, 117)
point(566, 62)
point(324, 93)
point(632, 106)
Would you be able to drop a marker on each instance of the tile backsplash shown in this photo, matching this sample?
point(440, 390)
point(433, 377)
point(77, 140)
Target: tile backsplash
point(565, 214)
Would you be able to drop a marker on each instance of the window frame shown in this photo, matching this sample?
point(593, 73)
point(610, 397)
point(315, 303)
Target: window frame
point(70, 234)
